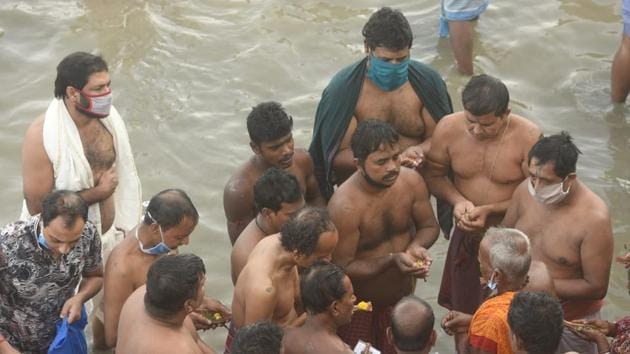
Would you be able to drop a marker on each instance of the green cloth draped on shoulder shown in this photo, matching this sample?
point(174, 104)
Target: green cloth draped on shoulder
point(336, 108)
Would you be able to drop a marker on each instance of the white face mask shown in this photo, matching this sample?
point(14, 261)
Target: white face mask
point(549, 195)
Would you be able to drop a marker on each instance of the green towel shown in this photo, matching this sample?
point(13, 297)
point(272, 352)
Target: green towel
point(336, 108)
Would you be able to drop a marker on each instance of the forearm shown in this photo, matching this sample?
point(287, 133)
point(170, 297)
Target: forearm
point(89, 287)
point(426, 236)
point(498, 208)
point(92, 195)
point(298, 321)
point(360, 269)
point(578, 289)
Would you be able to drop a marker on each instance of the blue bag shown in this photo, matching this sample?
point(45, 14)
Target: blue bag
point(70, 338)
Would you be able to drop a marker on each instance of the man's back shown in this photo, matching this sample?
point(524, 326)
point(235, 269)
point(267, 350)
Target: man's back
point(243, 247)
point(308, 340)
point(126, 271)
point(139, 333)
point(264, 291)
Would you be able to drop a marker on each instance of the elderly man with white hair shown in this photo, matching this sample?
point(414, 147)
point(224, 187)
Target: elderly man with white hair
point(504, 259)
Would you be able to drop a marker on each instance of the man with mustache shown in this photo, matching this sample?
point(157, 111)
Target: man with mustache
point(485, 148)
point(385, 224)
point(269, 128)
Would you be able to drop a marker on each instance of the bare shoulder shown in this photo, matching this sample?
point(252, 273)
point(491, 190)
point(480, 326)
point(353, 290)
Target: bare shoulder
point(525, 129)
point(411, 178)
point(34, 137)
point(303, 160)
point(446, 126)
point(242, 179)
point(346, 199)
point(594, 207)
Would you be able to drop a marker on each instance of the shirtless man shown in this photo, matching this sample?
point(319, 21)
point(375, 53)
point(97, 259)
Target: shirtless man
point(277, 197)
point(268, 286)
point(387, 85)
point(82, 104)
point(570, 230)
point(385, 224)
point(328, 298)
point(485, 147)
point(269, 128)
point(412, 330)
point(155, 319)
point(169, 220)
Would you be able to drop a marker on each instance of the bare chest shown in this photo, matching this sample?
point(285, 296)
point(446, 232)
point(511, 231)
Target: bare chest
point(401, 108)
point(98, 146)
point(501, 162)
point(555, 238)
point(383, 220)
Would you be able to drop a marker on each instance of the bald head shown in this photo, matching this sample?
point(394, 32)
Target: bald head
point(169, 208)
point(412, 324)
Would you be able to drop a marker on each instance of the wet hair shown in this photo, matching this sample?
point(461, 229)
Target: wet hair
point(268, 121)
point(169, 207)
point(389, 29)
point(485, 94)
point(171, 280)
point(536, 319)
point(560, 150)
point(262, 337)
point(68, 205)
point(412, 324)
point(370, 135)
point(301, 233)
point(75, 70)
point(275, 187)
point(320, 285)
point(509, 252)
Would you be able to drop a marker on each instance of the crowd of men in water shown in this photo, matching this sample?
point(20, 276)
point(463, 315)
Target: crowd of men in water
point(328, 244)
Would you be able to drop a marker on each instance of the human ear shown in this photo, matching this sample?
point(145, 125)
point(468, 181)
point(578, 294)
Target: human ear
point(255, 148)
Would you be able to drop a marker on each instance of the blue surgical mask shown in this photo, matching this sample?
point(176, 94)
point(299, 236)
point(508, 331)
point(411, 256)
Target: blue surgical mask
point(42, 240)
point(492, 285)
point(388, 76)
point(160, 248)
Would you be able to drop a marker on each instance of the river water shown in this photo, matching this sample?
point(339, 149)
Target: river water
point(186, 73)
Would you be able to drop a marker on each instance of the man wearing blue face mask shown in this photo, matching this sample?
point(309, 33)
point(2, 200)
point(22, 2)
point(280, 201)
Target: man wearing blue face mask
point(167, 223)
point(387, 85)
point(42, 260)
point(570, 230)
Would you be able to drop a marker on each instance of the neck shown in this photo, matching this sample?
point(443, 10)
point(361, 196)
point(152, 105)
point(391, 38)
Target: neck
point(263, 225)
point(144, 235)
point(322, 321)
point(284, 259)
point(260, 162)
point(512, 286)
point(80, 119)
point(174, 321)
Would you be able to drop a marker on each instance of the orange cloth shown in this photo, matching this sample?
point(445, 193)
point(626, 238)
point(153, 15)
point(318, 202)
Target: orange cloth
point(489, 330)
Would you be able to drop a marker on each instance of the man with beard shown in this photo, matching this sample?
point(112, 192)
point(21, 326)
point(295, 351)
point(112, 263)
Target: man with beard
point(269, 128)
point(385, 224)
point(81, 144)
point(485, 147)
point(570, 230)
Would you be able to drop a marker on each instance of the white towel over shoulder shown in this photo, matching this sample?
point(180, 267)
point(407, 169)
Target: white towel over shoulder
point(72, 171)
